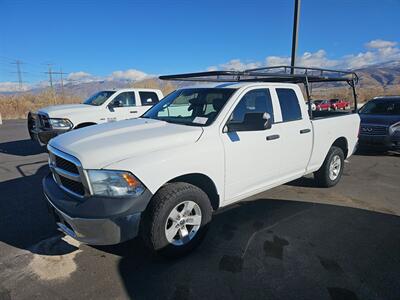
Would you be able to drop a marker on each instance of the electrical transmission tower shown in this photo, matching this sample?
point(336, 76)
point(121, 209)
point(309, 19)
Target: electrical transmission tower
point(50, 73)
point(18, 63)
point(61, 73)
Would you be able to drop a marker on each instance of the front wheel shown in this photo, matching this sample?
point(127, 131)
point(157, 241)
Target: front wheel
point(332, 169)
point(176, 219)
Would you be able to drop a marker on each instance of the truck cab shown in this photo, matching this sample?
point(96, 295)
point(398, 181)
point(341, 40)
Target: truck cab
point(102, 107)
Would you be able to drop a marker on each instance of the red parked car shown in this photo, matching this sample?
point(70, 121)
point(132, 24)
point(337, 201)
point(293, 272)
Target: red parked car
point(339, 104)
point(332, 104)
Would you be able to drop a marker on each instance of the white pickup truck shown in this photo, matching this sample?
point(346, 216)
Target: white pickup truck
point(199, 149)
point(102, 107)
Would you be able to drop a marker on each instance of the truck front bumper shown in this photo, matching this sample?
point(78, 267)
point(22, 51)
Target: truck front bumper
point(98, 222)
point(44, 136)
point(39, 133)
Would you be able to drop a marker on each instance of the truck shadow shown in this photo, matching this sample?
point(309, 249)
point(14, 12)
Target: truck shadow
point(24, 147)
point(274, 249)
point(24, 219)
point(303, 182)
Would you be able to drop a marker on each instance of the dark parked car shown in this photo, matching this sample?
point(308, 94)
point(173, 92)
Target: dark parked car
point(380, 124)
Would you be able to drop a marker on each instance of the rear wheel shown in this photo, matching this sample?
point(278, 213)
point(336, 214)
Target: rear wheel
point(176, 219)
point(332, 169)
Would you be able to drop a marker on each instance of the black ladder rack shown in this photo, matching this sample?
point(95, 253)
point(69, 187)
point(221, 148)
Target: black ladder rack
point(304, 75)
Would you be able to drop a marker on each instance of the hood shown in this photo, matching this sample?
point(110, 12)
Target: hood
point(64, 110)
point(379, 119)
point(100, 145)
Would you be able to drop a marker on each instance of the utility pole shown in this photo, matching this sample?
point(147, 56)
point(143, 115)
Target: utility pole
point(18, 63)
point(297, 4)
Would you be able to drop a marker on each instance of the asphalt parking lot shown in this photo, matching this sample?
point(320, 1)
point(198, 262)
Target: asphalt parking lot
point(293, 242)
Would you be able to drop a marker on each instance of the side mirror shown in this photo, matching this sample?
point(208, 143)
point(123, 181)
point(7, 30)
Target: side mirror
point(114, 104)
point(149, 101)
point(110, 107)
point(252, 121)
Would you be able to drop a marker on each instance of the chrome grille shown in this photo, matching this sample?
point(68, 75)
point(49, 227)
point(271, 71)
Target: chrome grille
point(68, 173)
point(74, 186)
point(66, 165)
point(373, 130)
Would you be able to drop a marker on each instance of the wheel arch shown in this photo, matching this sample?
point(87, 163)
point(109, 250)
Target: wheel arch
point(342, 144)
point(204, 183)
point(84, 124)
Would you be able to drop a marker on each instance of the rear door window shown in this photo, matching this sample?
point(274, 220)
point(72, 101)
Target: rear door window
point(148, 98)
point(289, 103)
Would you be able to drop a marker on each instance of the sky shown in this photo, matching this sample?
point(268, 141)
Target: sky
point(119, 39)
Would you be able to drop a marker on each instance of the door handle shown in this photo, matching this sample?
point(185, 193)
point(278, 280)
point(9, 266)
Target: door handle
point(307, 130)
point(273, 137)
point(133, 111)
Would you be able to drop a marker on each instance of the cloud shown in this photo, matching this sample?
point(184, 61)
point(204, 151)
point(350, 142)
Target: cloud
point(376, 44)
point(131, 74)
point(379, 51)
point(237, 64)
point(79, 76)
point(13, 87)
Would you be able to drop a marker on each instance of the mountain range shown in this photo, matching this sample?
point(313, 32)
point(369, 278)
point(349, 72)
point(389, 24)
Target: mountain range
point(384, 76)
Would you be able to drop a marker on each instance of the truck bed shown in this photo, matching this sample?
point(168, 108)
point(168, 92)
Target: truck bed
point(329, 128)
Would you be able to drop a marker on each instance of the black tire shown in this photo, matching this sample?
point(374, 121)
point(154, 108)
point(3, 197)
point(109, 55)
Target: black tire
point(30, 123)
point(321, 176)
point(155, 217)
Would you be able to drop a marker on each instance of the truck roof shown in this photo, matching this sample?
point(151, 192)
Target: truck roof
point(236, 85)
point(130, 90)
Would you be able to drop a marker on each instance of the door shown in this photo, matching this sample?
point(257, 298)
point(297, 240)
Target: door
point(123, 106)
point(251, 157)
point(296, 134)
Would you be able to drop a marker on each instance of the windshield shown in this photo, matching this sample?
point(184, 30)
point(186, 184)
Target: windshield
point(381, 107)
point(195, 107)
point(98, 98)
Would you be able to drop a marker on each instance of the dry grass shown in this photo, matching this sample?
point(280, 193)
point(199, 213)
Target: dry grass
point(17, 106)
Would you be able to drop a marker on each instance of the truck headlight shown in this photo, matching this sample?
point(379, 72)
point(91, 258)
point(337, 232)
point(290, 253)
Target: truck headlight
point(60, 123)
point(114, 183)
point(394, 128)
